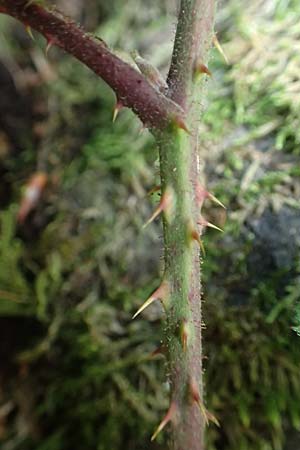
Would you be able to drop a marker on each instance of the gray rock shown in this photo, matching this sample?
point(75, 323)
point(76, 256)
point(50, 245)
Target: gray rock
point(277, 239)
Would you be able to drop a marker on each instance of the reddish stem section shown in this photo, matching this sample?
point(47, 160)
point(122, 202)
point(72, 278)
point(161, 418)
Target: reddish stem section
point(131, 87)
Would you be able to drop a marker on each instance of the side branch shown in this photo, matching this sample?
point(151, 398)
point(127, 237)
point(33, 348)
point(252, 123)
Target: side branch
point(130, 87)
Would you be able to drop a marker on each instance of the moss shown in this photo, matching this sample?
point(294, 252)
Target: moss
point(15, 293)
point(252, 374)
point(262, 77)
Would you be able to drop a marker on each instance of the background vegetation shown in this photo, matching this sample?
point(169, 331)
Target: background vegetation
point(76, 372)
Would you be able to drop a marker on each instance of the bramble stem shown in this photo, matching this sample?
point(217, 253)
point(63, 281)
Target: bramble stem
point(179, 162)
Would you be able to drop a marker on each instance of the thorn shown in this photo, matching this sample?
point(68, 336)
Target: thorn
point(29, 31)
point(180, 123)
point(203, 222)
point(169, 417)
point(145, 305)
point(193, 235)
point(161, 350)
point(195, 395)
point(117, 108)
point(166, 204)
point(194, 390)
point(184, 335)
point(215, 200)
point(202, 68)
point(48, 46)
point(211, 418)
point(219, 48)
point(202, 194)
point(161, 293)
point(211, 225)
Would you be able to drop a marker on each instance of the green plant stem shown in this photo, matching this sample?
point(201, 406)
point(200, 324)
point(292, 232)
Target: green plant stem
point(179, 163)
point(182, 270)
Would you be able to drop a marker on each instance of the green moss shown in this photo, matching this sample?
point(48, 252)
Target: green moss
point(15, 293)
point(262, 80)
point(252, 374)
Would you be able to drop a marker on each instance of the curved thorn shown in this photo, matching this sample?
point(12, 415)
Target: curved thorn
point(161, 350)
point(29, 31)
point(161, 293)
point(196, 397)
point(219, 48)
point(194, 235)
point(144, 306)
point(211, 225)
point(211, 418)
point(117, 109)
point(166, 204)
point(168, 418)
point(154, 215)
point(203, 222)
point(215, 200)
point(201, 68)
point(180, 123)
point(194, 390)
point(201, 194)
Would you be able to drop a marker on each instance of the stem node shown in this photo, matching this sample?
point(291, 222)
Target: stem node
point(161, 293)
point(169, 417)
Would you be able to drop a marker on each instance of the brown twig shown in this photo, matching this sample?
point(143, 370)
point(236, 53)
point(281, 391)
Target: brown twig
point(130, 87)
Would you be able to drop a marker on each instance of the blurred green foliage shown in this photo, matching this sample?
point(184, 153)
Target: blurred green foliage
point(15, 292)
point(80, 375)
point(261, 43)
